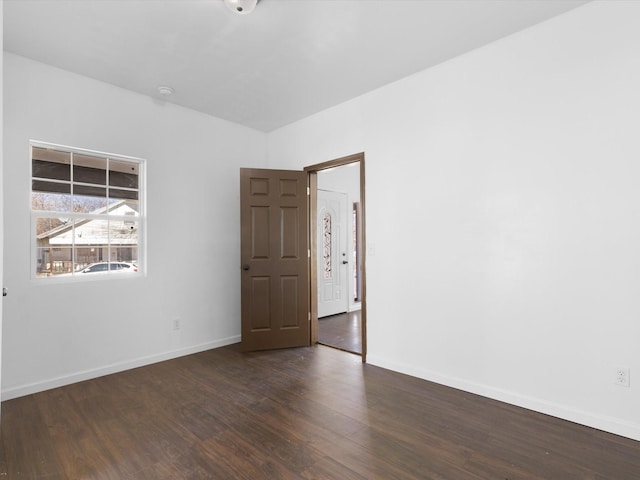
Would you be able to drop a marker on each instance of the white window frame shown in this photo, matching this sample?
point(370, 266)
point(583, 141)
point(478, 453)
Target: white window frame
point(141, 218)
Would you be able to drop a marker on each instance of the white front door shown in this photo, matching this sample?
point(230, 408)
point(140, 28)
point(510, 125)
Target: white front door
point(333, 253)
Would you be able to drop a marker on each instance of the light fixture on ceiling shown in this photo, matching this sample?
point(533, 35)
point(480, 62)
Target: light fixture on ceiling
point(241, 7)
point(165, 91)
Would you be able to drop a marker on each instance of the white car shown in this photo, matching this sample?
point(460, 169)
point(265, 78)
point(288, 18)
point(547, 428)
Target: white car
point(110, 267)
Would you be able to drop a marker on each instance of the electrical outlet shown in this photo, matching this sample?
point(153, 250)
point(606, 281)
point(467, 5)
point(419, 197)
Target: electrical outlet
point(622, 376)
point(176, 324)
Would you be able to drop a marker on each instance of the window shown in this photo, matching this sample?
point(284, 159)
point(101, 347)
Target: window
point(326, 245)
point(87, 212)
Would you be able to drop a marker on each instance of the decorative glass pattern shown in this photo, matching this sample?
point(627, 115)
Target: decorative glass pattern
point(326, 245)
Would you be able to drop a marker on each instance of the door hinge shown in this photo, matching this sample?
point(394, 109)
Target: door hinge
point(308, 191)
point(309, 317)
point(308, 253)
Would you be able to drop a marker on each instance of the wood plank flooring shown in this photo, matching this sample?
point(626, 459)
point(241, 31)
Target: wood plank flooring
point(343, 331)
point(308, 413)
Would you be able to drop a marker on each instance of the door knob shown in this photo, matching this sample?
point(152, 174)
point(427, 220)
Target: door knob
point(344, 262)
point(245, 267)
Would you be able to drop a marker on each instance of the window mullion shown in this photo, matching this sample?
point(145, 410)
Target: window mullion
point(72, 218)
point(90, 214)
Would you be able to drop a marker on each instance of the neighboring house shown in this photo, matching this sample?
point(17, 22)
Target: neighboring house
point(95, 240)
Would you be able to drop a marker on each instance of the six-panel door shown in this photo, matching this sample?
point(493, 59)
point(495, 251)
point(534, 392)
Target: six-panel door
point(274, 259)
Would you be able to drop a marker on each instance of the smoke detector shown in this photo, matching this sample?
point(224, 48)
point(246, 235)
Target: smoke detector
point(241, 7)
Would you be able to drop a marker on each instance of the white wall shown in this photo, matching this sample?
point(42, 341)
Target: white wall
point(57, 334)
point(1, 169)
point(504, 209)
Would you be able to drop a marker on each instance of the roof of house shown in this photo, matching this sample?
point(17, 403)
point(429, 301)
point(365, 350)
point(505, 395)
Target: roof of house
point(96, 231)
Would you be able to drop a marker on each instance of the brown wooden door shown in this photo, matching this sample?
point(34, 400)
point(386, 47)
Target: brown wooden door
point(274, 258)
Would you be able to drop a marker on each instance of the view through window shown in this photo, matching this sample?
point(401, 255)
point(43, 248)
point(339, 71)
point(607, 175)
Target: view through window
point(87, 212)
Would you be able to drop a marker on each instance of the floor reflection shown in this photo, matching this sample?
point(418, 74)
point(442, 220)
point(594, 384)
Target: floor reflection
point(343, 331)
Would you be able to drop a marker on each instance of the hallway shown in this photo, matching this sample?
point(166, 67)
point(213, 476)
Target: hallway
point(342, 331)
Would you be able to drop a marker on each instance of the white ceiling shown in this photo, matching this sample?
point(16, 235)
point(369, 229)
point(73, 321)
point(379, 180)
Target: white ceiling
point(285, 61)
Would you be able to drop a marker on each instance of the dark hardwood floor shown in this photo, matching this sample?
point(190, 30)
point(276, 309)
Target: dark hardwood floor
point(343, 331)
point(308, 413)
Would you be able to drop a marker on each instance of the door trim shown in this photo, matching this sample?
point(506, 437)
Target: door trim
point(312, 171)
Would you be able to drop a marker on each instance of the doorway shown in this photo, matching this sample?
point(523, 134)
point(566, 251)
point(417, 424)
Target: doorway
point(334, 256)
point(338, 282)
point(279, 286)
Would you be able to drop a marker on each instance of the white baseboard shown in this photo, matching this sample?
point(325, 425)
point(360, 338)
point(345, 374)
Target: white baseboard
point(600, 422)
point(355, 307)
point(28, 389)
